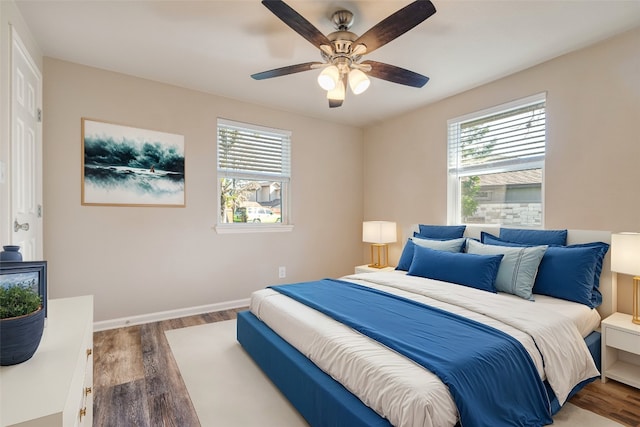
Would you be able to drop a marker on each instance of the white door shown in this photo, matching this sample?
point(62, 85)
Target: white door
point(26, 152)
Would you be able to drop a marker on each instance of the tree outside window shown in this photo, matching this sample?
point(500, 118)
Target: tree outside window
point(496, 158)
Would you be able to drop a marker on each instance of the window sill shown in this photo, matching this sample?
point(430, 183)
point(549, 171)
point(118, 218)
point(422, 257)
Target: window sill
point(250, 228)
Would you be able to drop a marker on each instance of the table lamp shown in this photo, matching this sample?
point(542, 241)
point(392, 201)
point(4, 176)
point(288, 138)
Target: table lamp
point(625, 259)
point(379, 233)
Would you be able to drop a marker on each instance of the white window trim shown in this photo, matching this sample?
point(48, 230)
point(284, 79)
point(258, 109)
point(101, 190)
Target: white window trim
point(250, 228)
point(243, 228)
point(453, 189)
point(532, 99)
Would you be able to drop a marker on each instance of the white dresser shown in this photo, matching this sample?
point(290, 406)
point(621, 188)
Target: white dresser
point(54, 387)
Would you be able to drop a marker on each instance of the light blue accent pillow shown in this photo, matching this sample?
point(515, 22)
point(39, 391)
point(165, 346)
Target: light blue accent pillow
point(441, 231)
point(475, 271)
point(518, 269)
point(534, 237)
point(569, 272)
point(406, 258)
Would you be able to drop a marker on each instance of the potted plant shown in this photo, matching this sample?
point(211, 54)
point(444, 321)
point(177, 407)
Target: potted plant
point(21, 323)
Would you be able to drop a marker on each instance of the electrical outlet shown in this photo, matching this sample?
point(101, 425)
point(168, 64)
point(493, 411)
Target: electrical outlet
point(282, 272)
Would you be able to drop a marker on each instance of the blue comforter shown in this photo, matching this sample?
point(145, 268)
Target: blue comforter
point(490, 375)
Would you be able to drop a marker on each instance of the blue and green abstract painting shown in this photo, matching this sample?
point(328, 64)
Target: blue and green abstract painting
point(130, 166)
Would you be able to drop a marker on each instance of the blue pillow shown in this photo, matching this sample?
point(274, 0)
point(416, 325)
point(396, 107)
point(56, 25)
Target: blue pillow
point(475, 271)
point(441, 231)
point(490, 239)
point(596, 296)
point(518, 269)
point(534, 237)
point(420, 236)
point(406, 258)
point(567, 272)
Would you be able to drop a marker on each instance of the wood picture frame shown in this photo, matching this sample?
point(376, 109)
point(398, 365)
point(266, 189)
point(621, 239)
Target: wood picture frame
point(128, 166)
point(26, 273)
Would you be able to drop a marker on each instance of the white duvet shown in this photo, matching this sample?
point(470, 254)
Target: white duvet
point(406, 393)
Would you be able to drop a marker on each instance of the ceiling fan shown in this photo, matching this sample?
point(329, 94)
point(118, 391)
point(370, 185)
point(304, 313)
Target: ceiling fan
point(342, 50)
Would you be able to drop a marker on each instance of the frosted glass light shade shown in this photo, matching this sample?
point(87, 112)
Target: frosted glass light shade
point(337, 94)
point(379, 232)
point(625, 253)
point(329, 77)
point(358, 81)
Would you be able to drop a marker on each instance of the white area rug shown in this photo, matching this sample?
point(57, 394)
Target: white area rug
point(228, 389)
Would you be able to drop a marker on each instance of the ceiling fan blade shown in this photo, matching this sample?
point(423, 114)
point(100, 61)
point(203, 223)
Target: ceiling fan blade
point(395, 74)
point(396, 24)
point(291, 69)
point(297, 22)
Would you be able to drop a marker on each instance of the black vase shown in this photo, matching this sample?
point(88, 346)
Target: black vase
point(20, 337)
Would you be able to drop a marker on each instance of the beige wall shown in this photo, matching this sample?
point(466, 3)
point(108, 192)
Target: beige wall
point(593, 145)
point(144, 260)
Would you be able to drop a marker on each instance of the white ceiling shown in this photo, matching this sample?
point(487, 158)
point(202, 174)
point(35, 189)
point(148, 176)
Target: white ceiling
point(214, 46)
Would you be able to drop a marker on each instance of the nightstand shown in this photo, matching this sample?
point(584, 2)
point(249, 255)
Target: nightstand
point(366, 269)
point(621, 349)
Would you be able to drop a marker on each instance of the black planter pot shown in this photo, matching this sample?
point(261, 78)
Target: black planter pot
point(20, 337)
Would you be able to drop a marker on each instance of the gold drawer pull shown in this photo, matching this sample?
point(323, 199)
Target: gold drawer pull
point(87, 391)
point(83, 413)
point(89, 352)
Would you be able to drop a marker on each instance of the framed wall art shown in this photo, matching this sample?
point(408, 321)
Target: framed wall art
point(127, 166)
point(31, 274)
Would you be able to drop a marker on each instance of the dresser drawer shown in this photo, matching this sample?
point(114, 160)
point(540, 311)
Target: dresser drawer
point(623, 340)
point(86, 406)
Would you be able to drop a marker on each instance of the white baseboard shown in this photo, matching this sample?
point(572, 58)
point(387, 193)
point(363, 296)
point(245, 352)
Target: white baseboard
point(122, 322)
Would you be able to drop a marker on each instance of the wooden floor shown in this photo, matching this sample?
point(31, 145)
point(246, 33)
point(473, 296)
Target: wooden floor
point(137, 382)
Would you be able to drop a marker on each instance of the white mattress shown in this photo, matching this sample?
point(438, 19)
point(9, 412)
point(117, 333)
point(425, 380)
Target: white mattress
point(392, 385)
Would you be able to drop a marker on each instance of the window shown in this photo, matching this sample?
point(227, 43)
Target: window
point(253, 177)
point(496, 161)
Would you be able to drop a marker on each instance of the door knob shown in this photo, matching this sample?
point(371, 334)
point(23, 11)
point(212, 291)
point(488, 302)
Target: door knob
point(17, 226)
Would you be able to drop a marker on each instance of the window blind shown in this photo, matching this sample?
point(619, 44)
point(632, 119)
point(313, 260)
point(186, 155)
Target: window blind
point(253, 151)
point(500, 140)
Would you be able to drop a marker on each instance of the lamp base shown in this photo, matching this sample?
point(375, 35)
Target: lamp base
point(381, 260)
point(636, 300)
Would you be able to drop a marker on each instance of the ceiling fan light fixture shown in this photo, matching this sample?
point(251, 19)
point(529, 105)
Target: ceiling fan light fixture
point(358, 81)
point(329, 77)
point(338, 93)
point(342, 50)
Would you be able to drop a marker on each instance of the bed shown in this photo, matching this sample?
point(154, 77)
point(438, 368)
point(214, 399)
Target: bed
point(336, 376)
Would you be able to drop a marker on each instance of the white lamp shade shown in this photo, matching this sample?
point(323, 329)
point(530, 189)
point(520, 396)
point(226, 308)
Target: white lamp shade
point(337, 94)
point(358, 81)
point(329, 77)
point(379, 232)
point(625, 253)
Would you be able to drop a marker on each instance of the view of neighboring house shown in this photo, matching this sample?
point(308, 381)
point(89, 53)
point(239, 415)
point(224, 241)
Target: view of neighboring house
point(510, 198)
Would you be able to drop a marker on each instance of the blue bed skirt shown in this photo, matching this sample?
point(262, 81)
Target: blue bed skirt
point(320, 399)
